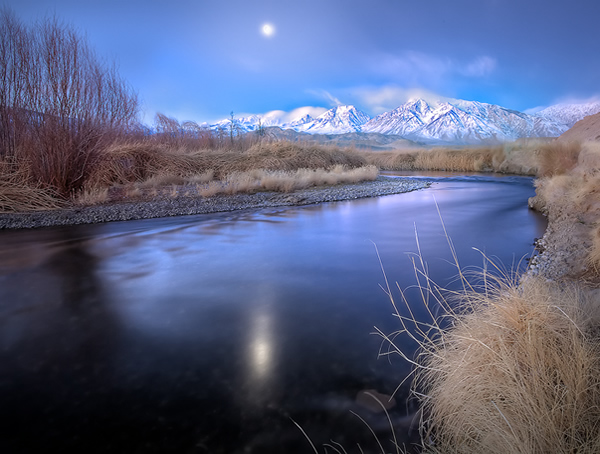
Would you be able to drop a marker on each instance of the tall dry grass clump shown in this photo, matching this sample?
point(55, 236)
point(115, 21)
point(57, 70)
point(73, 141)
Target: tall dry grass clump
point(513, 367)
point(518, 371)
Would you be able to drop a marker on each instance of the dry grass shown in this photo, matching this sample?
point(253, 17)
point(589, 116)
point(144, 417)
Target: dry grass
point(92, 197)
point(467, 159)
point(513, 367)
point(282, 181)
point(573, 194)
point(153, 164)
point(594, 252)
point(524, 157)
point(557, 158)
point(518, 372)
point(18, 193)
point(15, 197)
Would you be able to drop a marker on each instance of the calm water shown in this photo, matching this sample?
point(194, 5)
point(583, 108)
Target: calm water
point(212, 333)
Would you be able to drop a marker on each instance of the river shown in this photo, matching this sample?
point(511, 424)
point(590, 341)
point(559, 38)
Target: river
point(215, 333)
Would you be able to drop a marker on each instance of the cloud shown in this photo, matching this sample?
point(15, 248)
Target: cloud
point(412, 68)
point(565, 100)
point(480, 67)
point(331, 100)
point(577, 100)
point(377, 100)
point(281, 116)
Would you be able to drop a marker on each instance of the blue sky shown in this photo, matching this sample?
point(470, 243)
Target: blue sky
point(199, 60)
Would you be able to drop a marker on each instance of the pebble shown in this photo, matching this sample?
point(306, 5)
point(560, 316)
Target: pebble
point(182, 205)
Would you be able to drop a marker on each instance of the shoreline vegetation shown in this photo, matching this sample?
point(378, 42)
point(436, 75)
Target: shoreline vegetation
point(517, 369)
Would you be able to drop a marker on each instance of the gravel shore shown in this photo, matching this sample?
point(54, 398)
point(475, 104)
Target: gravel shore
point(186, 205)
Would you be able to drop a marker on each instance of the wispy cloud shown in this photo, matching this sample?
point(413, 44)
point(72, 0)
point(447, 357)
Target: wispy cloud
point(412, 68)
point(577, 100)
point(325, 95)
point(480, 67)
point(566, 100)
point(282, 116)
point(377, 100)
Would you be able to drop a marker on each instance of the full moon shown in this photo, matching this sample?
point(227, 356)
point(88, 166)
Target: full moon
point(268, 30)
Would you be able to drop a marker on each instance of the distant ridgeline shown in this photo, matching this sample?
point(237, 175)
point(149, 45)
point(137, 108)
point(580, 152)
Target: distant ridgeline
point(418, 122)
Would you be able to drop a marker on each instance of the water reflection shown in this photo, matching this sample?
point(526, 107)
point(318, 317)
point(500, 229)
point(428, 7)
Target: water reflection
point(207, 333)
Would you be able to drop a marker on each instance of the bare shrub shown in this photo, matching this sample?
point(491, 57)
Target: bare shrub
point(59, 107)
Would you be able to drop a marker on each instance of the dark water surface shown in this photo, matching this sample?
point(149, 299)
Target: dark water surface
point(211, 333)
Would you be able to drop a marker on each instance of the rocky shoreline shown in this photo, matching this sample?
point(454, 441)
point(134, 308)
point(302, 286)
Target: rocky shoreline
point(189, 204)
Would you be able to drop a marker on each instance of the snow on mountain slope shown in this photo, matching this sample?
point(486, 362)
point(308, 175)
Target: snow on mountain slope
point(456, 121)
point(403, 120)
point(461, 122)
point(569, 114)
point(339, 120)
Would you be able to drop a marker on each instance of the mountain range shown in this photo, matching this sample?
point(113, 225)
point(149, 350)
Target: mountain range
point(443, 122)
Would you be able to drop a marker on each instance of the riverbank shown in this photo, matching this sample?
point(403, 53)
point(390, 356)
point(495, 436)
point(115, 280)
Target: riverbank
point(187, 202)
point(564, 250)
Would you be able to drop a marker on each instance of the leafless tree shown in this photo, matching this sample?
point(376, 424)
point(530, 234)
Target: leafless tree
point(59, 105)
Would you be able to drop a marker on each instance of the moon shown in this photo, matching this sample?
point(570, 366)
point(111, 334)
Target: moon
point(267, 30)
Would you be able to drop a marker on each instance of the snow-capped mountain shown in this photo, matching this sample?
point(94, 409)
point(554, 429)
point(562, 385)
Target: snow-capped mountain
point(247, 124)
point(569, 114)
point(403, 120)
point(455, 121)
point(461, 121)
point(339, 120)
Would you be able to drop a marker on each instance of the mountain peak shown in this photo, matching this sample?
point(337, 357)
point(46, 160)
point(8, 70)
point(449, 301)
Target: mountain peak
point(447, 121)
point(459, 122)
point(569, 114)
point(338, 120)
